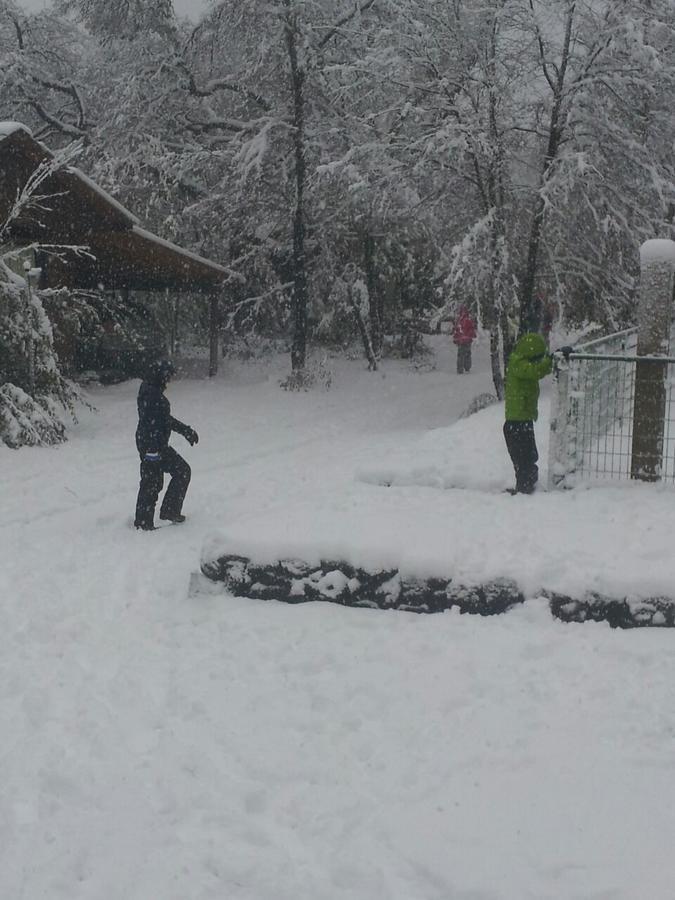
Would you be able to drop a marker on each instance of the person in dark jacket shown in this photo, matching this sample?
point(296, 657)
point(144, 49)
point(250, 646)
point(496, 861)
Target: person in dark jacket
point(155, 424)
point(528, 364)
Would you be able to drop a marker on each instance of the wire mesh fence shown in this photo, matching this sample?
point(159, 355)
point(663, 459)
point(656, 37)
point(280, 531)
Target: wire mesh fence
point(593, 415)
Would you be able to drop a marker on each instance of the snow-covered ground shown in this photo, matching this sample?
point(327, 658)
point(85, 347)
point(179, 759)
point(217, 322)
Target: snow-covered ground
point(165, 741)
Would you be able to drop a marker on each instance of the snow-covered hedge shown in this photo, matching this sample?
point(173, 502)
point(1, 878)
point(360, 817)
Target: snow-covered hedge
point(622, 612)
point(294, 581)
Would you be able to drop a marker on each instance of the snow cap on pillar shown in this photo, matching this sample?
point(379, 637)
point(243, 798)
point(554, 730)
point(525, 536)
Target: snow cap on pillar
point(657, 250)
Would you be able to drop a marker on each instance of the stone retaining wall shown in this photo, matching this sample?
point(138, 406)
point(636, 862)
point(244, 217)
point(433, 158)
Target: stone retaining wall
point(294, 581)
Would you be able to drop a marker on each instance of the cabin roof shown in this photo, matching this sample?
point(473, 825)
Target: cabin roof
point(74, 210)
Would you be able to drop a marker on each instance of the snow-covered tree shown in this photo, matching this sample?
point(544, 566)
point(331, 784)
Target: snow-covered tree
point(611, 183)
point(41, 59)
point(269, 104)
point(482, 150)
point(35, 399)
point(122, 19)
point(526, 120)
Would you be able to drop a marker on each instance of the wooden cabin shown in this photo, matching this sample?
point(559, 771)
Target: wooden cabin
point(120, 253)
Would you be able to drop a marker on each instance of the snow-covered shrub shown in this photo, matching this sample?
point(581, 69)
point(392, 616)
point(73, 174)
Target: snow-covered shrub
point(407, 342)
point(347, 313)
point(479, 402)
point(25, 421)
point(115, 336)
point(315, 374)
point(35, 399)
point(337, 322)
point(253, 347)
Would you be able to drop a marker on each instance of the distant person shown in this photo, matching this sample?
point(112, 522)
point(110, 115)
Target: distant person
point(528, 364)
point(155, 424)
point(548, 311)
point(463, 335)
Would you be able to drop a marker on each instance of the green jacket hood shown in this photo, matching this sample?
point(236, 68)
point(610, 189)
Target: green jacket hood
point(530, 345)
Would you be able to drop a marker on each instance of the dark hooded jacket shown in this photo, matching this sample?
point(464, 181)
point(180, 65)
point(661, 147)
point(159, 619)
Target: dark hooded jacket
point(528, 363)
point(155, 422)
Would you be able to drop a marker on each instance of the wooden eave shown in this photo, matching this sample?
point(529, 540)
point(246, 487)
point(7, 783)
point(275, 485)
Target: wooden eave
point(76, 211)
point(137, 260)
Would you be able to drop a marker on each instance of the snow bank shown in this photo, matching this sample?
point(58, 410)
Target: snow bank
point(163, 739)
point(437, 509)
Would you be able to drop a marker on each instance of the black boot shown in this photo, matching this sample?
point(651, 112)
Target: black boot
point(177, 518)
point(144, 526)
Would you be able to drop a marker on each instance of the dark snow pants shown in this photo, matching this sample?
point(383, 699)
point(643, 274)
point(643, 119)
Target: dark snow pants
point(463, 358)
point(152, 481)
point(522, 449)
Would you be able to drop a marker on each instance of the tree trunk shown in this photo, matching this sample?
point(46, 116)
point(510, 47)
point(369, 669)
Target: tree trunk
point(529, 313)
point(496, 363)
point(363, 330)
point(300, 298)
point(493, 200)
point(507, 338)
point(375, 305)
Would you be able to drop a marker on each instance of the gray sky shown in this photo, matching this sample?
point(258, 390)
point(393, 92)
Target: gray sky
point(191, 8)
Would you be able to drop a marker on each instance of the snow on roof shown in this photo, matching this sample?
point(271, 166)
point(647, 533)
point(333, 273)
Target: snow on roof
point(657, 250)
point(7, 128)
point(73, 170)
point(148, 235)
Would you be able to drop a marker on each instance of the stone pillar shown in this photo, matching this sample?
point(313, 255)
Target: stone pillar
point(558, 458)
point(657, 279)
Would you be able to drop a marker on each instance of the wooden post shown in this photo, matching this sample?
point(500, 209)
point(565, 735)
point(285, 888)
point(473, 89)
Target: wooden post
point(32, 279)
point(657, 271)
point(214, 334)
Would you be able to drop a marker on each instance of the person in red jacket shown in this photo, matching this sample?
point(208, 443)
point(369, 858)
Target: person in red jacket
point(463, 335)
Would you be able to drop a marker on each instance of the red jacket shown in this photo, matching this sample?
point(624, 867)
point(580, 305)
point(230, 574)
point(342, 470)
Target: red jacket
point(464, 330)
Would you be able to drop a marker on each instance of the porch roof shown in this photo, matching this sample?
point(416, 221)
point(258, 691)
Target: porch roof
point(73, 210)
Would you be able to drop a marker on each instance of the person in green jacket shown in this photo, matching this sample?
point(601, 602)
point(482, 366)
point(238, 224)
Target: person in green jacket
point(528, 364)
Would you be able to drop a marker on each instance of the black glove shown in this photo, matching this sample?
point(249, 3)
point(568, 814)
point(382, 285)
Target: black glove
point(191, 436)
point(152, 456)
point(566, 351)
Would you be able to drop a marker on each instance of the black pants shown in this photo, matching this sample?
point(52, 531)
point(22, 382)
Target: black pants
point(522, 449)
point(152, 481)
point(463, 358)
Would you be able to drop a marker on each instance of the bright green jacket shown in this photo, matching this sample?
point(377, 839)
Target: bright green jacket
point(528, 363)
